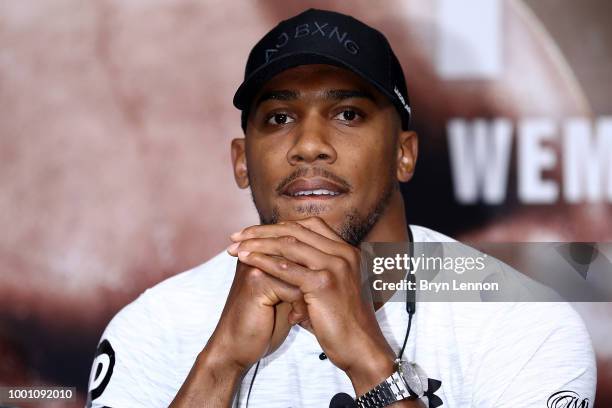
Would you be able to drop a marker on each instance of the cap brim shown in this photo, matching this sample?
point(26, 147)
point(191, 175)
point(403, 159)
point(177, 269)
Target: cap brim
point(251, 85)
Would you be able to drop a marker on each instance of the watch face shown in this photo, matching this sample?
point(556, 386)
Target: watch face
point(414, 376)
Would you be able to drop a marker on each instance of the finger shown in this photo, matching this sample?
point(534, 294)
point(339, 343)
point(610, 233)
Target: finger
point(312, 231)
point(334, 245)
point(315, 224)
point(286, 271)
point(291, 249)
point(302, 234)
point(281, 326)
point(293, 229)
point(277, 290)
point(299, 312)
point(318, 225)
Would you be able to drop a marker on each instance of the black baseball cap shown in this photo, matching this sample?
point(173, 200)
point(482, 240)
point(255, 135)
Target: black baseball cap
point(325, 37)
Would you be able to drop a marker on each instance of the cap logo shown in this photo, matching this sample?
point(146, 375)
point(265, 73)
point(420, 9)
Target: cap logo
point(313, 29)
point(401, 98)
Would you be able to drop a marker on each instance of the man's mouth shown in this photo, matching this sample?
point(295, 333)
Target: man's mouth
point(313, 188)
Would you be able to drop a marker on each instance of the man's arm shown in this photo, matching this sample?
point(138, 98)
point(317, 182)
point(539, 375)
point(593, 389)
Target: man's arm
point(126, 353)
point(211, 382)
point(276, 270)
point(254, 322)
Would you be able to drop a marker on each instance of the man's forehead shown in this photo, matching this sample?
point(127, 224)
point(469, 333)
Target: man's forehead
point(316, 76)
point(325, 82)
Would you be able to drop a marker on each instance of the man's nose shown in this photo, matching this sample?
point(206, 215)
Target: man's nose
point(311, 142)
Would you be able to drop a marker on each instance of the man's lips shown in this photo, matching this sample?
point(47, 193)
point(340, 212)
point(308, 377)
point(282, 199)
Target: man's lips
point(310, 188)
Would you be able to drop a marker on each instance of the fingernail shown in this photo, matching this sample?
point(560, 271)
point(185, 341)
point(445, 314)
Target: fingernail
point(243, 254)
point(232, 248)
point(236, 234)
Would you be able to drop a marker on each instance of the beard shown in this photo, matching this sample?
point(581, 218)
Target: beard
point(355, 226)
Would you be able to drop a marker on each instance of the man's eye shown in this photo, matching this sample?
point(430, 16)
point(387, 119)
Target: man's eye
point(347, 115)
point(280, 119)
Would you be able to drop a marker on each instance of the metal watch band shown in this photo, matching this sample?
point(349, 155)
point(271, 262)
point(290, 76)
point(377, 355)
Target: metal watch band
point(391, 390)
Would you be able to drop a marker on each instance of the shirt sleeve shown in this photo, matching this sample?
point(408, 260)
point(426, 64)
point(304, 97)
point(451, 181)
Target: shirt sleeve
point(546, 361)
point(128, 350)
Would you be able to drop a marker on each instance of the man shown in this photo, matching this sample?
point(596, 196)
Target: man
point(280, 320)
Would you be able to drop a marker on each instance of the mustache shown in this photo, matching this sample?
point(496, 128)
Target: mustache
point(312, 172)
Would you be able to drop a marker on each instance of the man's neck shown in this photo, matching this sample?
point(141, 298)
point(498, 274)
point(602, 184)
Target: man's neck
point(391, 227)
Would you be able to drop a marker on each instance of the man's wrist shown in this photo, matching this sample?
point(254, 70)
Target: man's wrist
point(218, 365)
point(211, 382)
point(370, 371)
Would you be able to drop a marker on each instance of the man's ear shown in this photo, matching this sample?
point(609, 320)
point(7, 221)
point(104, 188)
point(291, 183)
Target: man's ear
point(241, 172)
point(407, 152)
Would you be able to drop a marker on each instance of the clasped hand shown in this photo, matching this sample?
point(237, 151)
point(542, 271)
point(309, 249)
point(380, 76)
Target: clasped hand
point(306, 264)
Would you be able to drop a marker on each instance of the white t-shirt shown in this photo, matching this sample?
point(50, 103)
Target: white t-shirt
point(484, 354)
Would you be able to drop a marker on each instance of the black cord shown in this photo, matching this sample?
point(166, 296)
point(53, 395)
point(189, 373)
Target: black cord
point(252, 382)
point(410, 296)
point(401, 353)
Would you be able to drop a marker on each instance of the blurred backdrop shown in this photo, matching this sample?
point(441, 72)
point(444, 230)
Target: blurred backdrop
point(116, 119)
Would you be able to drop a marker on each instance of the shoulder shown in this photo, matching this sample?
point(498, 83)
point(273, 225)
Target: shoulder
point(211, 276)
point(171, 303)
point(196, 287)
point(483, 327)
point(504, 323)
point(544, 327)
point(150, 342)
point(424, 234)
point(540, 348)
point(508, 354)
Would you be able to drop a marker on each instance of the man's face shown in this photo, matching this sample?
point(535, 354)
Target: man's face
point(321, 141)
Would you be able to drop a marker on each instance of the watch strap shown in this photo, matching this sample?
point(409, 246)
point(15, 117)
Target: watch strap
point(391, 390)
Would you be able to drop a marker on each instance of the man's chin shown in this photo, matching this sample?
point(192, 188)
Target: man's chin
point(332, 220)
point(326, 212)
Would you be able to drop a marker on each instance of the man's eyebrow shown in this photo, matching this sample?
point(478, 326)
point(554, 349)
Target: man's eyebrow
point(280, 95)
point(340, 94)
point(334, 94)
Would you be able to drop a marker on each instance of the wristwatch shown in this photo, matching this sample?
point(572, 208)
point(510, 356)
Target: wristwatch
point(409, 381)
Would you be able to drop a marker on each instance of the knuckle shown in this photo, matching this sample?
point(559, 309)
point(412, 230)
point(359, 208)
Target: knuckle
point(289, 239)
point(248, 230)
point(245, 245)
point(250, 244)
point(325, 280)
point(253, 276)
point(341, 264)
